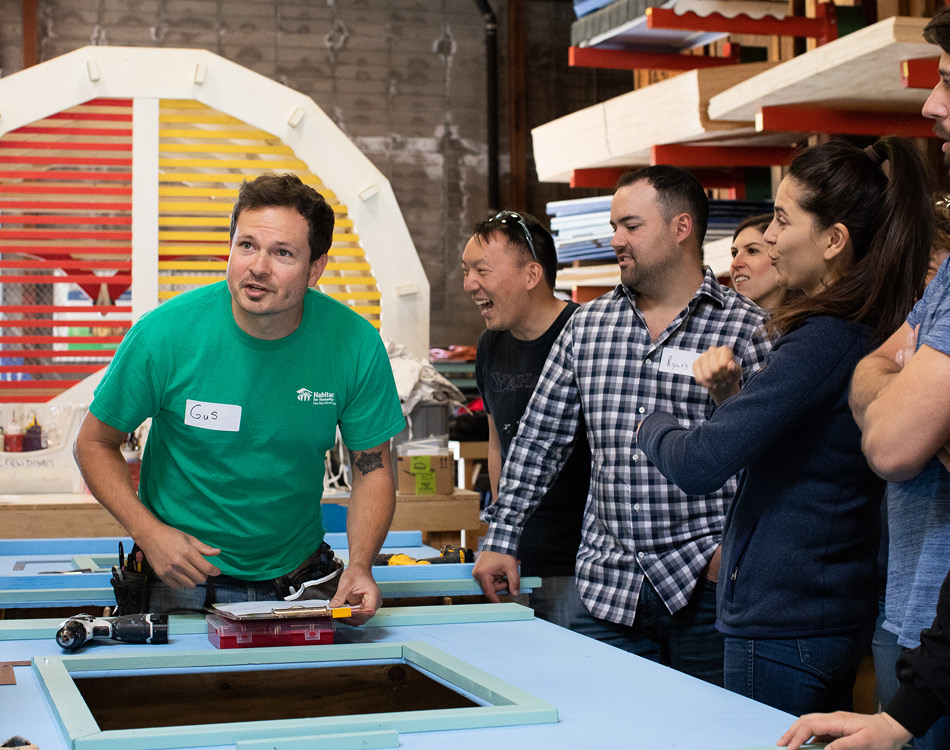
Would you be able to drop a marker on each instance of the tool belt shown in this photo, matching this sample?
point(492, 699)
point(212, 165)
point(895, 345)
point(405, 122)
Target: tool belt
point(320, 572)
point(131, 584)
point(317, 577)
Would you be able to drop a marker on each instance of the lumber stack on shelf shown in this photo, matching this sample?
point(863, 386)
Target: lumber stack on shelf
point(581, 230)
point(623, 24)
point(860, 71)
point(621, 131)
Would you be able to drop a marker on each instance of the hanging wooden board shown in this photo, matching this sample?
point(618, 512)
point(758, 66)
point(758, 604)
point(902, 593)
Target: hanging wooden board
point(621, 131)
point(860, 71)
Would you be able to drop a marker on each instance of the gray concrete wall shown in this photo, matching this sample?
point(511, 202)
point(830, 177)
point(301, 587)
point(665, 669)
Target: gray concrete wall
point(404, 79)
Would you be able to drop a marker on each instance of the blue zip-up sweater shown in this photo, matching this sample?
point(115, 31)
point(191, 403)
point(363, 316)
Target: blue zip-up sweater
point(801, 537)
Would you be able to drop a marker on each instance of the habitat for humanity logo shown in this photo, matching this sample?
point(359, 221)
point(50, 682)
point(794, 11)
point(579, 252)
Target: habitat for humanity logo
point(317, 398)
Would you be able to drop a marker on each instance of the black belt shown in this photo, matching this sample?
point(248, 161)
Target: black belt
point(321, 563)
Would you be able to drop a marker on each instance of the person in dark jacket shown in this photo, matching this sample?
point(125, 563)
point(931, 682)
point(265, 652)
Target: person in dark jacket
point(797, 596)
point(898, 400)
point(922, 698)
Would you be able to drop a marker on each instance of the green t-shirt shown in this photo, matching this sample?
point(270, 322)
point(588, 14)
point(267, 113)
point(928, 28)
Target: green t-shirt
point(235, 453)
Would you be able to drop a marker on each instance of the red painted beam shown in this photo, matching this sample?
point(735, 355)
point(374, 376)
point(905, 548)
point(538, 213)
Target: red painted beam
point(34, 323)
point(45, 234)
point(50, 368)
point(70, 176)
point(622, 59)
point(71, 250)
point(58, 385)
point(91, 116)
point(920, 73)
point(103, 102)
point(41, 309)
point(58, 340)
point(842, 122)
point(57, 353)
point(52, 130)
point(601, 177)
point(823, 28)
point(606, 177)
point(720, 156)
point(66, 145)
point(18, 188)
point(68, 279)
point(88, 161)
point(73, 265)
point(125, 221)
point(64, 205)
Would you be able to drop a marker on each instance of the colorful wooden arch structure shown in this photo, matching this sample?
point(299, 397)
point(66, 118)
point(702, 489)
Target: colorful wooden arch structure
point(118, 170)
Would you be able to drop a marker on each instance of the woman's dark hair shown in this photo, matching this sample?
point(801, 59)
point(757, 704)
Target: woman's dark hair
point(882, 195)
point(759, 222)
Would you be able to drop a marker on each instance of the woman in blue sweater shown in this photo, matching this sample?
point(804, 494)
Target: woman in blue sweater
point(797, 597)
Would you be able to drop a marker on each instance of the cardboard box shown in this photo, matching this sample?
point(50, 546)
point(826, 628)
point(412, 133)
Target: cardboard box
point(426, 475)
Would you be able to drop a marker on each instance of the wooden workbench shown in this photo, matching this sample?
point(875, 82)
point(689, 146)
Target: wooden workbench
point(55, 515)
point(443, 519)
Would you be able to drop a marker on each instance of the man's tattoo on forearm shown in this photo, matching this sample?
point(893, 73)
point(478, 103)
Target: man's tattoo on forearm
point(368, 462)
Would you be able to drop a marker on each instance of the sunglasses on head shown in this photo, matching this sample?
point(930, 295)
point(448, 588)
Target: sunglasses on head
point(505, 217)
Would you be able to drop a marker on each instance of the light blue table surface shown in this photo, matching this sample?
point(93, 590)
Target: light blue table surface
point(606, 698)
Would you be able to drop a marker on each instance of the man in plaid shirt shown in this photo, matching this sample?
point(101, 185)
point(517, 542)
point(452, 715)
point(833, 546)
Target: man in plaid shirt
point(649, 554)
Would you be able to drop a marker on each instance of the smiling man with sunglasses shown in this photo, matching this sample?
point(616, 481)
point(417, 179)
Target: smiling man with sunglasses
point(647, 562)
point(509, 267)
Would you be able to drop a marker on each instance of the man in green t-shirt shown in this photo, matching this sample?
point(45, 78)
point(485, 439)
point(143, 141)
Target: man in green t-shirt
point(247, 382)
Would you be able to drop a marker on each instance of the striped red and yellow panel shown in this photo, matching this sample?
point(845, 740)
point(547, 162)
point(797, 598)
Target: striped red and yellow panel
point(204, 156)
point(65, 225)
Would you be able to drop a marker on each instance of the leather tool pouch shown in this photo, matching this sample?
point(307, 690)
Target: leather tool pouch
point(131, 593)
point(132, 584)
point(316, 578)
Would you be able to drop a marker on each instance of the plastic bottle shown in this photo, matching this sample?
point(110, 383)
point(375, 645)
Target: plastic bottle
point(13, 436)
point(33, 438)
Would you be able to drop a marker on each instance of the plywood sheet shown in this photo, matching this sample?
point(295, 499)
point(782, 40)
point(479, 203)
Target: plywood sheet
point(858, 71)
point(621, 131)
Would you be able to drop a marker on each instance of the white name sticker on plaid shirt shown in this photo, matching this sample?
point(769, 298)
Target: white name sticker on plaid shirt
point(678, 361)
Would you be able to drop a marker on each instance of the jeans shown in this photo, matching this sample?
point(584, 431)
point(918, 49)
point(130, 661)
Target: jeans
point(553, 601)
point(797, 675)
point(686, 641)
point(163, 599)
point(321, 570)
point(885, 649)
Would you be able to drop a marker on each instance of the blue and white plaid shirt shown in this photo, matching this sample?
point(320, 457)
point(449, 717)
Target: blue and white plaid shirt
point(636, 522)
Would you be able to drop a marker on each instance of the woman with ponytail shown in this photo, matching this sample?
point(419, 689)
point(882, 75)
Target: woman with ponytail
point(797, 596)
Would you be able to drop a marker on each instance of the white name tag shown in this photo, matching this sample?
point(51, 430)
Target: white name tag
point(678, 361)
point(209, 416)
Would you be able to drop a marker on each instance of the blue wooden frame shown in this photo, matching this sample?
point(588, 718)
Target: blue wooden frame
point(33, 589)
point(501, 704)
